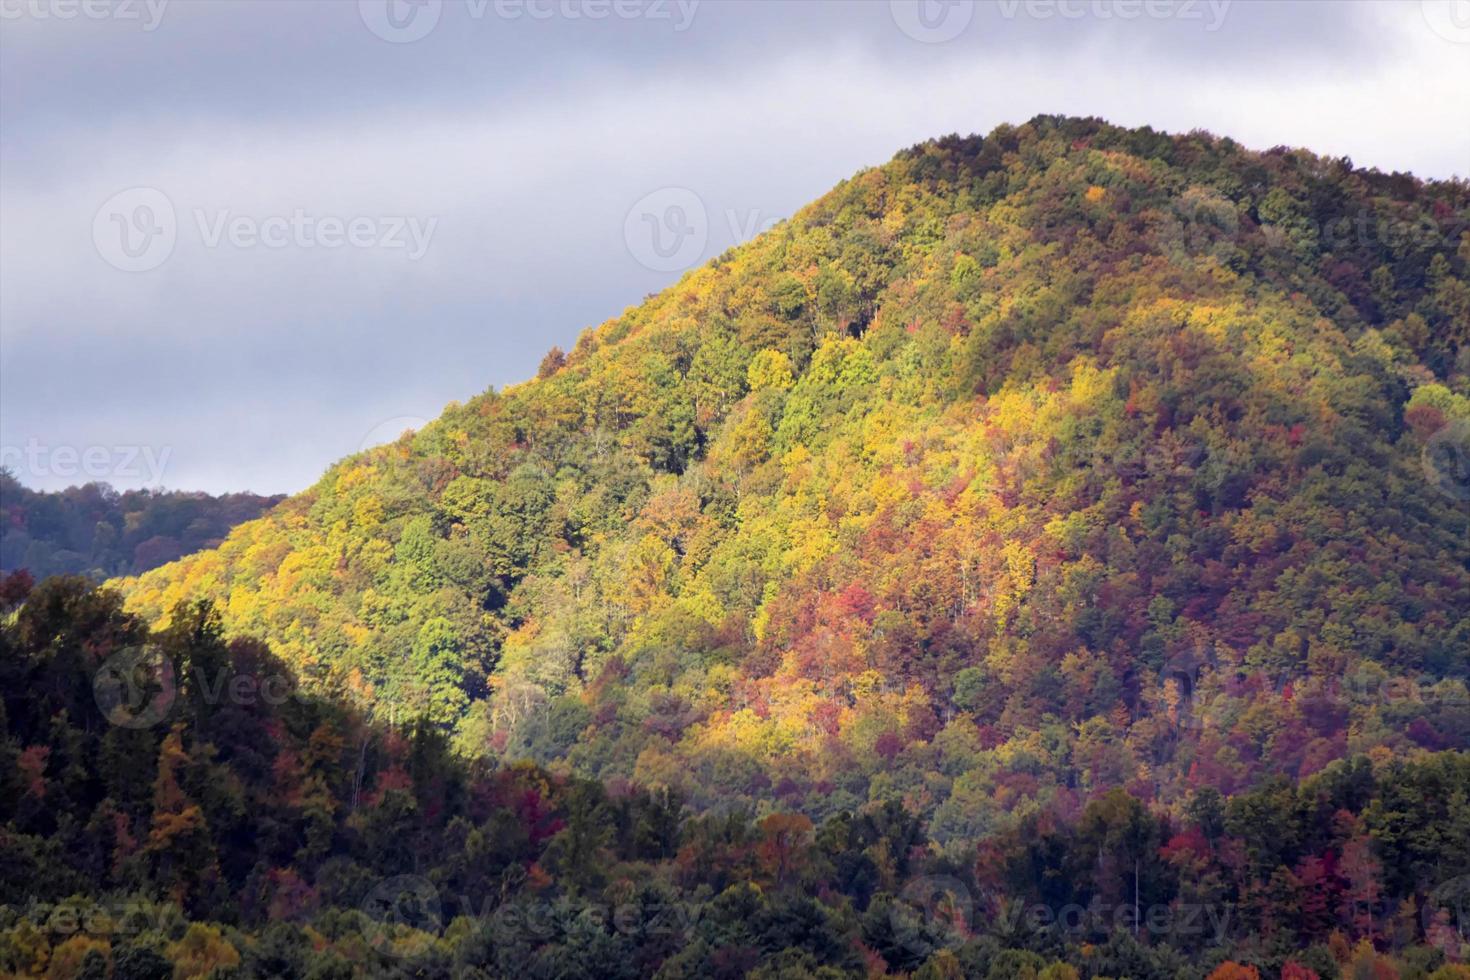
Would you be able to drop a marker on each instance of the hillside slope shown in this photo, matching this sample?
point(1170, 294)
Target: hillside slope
point(1020, 467)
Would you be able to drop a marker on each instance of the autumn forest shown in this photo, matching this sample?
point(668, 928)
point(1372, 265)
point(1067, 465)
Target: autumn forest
point(1046, 555)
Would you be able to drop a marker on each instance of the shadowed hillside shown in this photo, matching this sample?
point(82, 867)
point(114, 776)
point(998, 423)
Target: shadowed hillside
point(172, 805)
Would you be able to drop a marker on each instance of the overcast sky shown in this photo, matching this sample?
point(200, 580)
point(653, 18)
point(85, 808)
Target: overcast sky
point(241, 240)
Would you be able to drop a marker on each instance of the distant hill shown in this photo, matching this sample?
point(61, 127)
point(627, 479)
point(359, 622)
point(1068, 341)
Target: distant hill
point(99, 532)
point(1020, 467)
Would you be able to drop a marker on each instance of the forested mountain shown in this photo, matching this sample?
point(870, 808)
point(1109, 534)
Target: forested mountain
point(96, 531)
point(1020, 467)
point(1070, 517)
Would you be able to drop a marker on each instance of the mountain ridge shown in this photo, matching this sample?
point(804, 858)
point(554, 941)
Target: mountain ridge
point(1026, 464)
